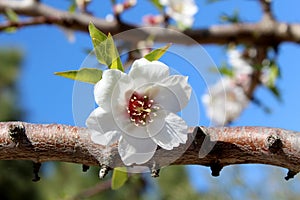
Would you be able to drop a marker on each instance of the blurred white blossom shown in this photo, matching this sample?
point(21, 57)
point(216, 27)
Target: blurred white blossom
point(182, 11)
point(226, 100)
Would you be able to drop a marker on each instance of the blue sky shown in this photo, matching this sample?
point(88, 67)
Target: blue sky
point(47, 98)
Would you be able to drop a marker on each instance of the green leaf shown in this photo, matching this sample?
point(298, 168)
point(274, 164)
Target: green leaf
point(114, 61)
point(157, 4)
point(11, 15)
point(274, 74)
point(276, 92)
point(157, 53)
point(72, 7)
point(234, 18)
point(119, 177)
point(87, 75)
point(10, 30)
point(96, 35)
point(105, 49)
point(226, 71)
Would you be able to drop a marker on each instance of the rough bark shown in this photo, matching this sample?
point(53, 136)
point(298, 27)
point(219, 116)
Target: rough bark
point(219, 146)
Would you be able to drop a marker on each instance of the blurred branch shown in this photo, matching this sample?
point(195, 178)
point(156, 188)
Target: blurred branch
point(265, 32)
point(30, 22)
point(98, 188)
point(229, 145)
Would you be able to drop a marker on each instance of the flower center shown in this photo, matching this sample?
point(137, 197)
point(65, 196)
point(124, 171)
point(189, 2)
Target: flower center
point(139, 109)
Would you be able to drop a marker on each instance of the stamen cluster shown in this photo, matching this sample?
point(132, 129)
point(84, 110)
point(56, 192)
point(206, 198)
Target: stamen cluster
point(139, 109)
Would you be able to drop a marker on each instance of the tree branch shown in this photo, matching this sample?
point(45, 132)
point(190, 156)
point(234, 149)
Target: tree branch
point(265, 32)
point(221, 146)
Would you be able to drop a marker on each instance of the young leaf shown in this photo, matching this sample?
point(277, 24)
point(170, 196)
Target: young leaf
point(157, 4)
point(11, 15)
point(234, 18)
point(105, 49)
point(157, 53)
point(72, 7)
point(274, 74)
point(96, 35)
point(115, 61)
point(119, 178)
point(87, 75)
point(226, 71)
point(276, 92)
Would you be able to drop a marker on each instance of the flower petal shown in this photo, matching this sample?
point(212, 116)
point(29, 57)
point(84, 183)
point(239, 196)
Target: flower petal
point(172, 134)
point(134, 150)
point(105, 139)
point(135, 131)
point(172, 93)
point(158, 123)
point(102, 127)
point(104, 89)
point(144, 71)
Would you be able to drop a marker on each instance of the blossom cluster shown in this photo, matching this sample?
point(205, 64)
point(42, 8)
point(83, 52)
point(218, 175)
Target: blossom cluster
point(226, 100)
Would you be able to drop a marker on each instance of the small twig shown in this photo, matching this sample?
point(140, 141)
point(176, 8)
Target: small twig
point(290, 175)
point(85, 168)
point(36, 169)
point(216, 168)
point(266, 8)
point(104, 169)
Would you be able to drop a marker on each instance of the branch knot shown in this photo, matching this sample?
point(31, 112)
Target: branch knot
point(16, 132)
point(274, 143)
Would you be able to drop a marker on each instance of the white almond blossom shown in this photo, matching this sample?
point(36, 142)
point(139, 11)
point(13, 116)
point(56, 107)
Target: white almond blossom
point(227, 98)
point(238, 63)
point(137, 110)
point(182, 11)
point(225, 102)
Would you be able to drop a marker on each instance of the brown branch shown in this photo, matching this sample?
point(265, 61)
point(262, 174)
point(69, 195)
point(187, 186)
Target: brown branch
point(219, 146)
point(266, 32)
point(266, 8)
point(33, 21)
point(98, 188)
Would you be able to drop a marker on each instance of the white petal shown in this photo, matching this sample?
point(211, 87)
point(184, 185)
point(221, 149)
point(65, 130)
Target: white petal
point(158, 123)
point(105, 87)
point(105, 139)
point(225, 101)
point(173, 133)
point(144, 71)
point(133, 150)
point(134, 131)
point(102, 127)
point(239, 64)
point(164, 2)
point(173, 93)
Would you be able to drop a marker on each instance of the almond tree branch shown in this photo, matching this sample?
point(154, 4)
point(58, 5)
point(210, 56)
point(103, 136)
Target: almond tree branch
point(266, 32)
point(218, 147)
point(29, 22)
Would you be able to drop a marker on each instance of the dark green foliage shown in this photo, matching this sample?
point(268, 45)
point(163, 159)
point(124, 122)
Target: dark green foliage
point(15, 176)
